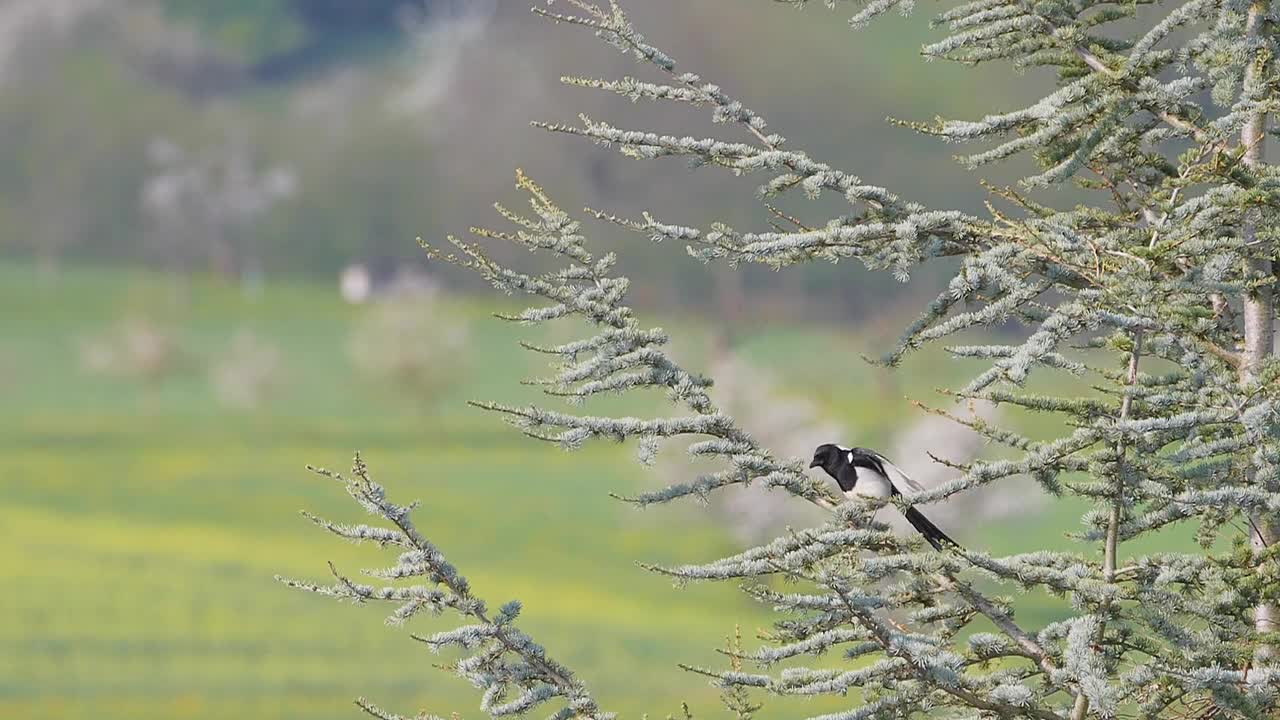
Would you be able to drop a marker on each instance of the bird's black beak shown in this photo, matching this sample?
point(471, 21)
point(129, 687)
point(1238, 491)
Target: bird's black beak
point(815, 463)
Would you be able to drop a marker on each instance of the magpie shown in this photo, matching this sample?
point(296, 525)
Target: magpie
point(864, 472)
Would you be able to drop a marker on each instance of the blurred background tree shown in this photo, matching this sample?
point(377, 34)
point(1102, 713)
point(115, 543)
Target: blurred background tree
point(414, 88)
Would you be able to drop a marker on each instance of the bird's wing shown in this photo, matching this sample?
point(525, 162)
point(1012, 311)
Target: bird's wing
point(847, 477)
point(897, 475)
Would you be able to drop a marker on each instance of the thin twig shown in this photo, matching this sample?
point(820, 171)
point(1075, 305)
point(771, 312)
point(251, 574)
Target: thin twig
point(1111, 546)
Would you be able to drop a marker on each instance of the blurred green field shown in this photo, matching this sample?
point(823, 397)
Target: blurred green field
point(143, 522)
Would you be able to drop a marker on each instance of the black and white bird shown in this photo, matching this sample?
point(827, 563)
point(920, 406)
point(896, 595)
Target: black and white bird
point(867, 473)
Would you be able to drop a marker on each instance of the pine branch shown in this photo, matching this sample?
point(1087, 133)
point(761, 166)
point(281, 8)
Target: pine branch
point(1173, 229)
point(748, 459)
point(502, 658)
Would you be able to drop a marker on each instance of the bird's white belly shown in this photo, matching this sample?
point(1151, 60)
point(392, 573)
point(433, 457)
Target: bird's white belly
point(871, 484)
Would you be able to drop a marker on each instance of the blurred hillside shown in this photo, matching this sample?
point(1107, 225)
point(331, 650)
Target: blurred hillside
point(294, 136)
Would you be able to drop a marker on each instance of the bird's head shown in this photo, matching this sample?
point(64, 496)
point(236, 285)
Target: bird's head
point(826, 457)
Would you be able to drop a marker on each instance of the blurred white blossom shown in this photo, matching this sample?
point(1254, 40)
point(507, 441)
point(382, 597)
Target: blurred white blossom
point(137, 347)
point(410, 343)
point(244, 375)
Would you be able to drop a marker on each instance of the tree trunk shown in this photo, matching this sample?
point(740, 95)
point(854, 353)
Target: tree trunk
point(1259, 310)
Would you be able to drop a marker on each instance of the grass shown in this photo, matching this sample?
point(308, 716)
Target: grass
point(151, 521)
point(145, 521)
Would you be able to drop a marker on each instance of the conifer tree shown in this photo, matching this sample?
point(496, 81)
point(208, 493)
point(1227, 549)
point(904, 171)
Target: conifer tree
point(1157, 297)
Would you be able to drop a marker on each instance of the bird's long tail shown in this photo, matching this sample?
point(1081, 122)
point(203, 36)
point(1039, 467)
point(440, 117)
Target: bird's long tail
point(931, 532)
